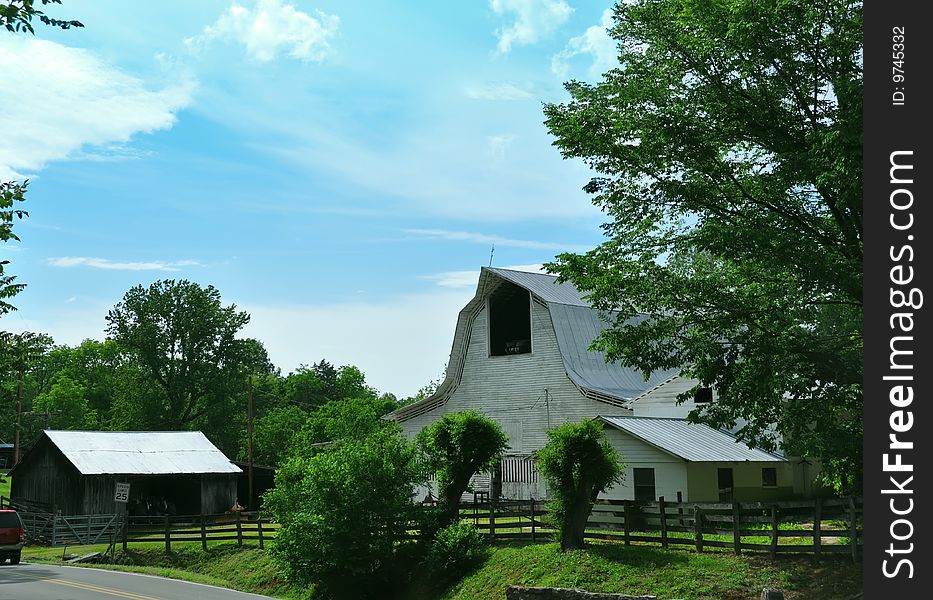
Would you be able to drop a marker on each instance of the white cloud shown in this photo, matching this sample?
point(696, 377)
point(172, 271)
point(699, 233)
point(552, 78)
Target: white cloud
point(596, 42)
point(498, 144)
point(500, 91)
point(468, 279)
point(533, 20)
point(271, 27)
point(57, 100)
point(482, 238)
point(400, 344)
point(104, 263)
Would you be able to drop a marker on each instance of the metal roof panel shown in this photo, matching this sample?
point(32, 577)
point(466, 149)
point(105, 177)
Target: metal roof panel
point(141, 452)
point(694, 442)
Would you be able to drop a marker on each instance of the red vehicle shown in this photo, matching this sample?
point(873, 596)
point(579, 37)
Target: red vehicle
point(12, 536)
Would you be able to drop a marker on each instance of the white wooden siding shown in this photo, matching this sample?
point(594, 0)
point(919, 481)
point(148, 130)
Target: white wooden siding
point(524, 393)
point(670, 474)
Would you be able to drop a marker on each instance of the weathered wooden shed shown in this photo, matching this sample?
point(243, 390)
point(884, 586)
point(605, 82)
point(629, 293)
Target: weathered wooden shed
point(75, 472)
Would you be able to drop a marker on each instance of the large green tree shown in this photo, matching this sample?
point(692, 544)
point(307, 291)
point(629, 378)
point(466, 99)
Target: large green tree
point(727, 146)
point(185, 341)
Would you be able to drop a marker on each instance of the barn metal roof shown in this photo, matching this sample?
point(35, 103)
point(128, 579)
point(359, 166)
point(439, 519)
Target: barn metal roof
point(693, 442)
point(576, 327)
point(141, 452)
point(544, 286)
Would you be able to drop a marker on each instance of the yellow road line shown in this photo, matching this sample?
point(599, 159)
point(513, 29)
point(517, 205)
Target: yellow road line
point(101, 590)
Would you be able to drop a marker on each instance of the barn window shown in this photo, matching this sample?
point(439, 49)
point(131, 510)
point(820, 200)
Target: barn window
point(509, 321)
point(725, 485)
point(703, 395)
point(644, 485)
point(518, 469)
point(768, 477)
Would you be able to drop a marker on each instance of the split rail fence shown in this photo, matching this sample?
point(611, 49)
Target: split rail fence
point(820, 526)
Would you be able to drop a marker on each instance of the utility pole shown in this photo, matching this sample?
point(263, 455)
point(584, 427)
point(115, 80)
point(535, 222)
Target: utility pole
point(249, 443)
point(19, 414)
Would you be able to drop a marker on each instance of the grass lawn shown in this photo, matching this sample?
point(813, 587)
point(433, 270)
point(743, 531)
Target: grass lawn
point(670, 574)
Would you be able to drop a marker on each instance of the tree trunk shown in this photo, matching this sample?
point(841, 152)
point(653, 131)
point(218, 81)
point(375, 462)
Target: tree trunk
point(571, 536)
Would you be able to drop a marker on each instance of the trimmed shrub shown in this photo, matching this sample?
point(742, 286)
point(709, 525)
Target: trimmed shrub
point(456, 549)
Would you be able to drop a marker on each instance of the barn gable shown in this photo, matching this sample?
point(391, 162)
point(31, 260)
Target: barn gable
point(562, 325)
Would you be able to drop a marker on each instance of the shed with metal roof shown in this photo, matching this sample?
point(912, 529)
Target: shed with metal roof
point(169, 472)
point(686, 461)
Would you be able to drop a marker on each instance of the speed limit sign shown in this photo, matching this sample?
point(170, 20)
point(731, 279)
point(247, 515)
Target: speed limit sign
point(122, 492)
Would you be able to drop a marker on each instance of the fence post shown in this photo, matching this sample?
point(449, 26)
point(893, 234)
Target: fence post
point(680, 510)
point(532, 520)
point(126, 530)
point(54, 530)
point(661, 509)
point(817, 528)
point(698, 527)
point(627, 507)
point(492, 518)
point(853, 530)
point(203, 532)
point(168, 536)
point(239, 529)
point(88, 539)
point(774, 531)
point(736, 526)
point(259, 527)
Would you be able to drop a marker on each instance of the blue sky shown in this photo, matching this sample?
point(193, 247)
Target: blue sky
point(340, 170)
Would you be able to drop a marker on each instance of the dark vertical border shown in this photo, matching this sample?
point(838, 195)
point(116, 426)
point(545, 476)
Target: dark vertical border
point(898, 387)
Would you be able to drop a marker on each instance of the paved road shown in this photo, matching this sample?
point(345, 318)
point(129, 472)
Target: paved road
point(46, 582)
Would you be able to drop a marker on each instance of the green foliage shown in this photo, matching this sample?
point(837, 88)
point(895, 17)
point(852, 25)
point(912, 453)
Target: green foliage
point(10, 193)
point(17, 15)
point(457, 446)
point(66, 406)
point(456, 549)
point(343, 512)
point(728, 153)
point(273, 435)
point(578, 463)
point(185, 340)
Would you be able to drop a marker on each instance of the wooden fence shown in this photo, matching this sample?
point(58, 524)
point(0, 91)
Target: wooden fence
point(820, 526)
point(239, 527)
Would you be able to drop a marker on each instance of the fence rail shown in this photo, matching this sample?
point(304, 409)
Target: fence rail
point(821, 526)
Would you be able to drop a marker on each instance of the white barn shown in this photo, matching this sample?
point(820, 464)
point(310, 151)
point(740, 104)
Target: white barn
point(521, 356)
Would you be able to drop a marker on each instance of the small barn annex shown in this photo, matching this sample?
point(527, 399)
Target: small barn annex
point(75, 472)
point(691, 462)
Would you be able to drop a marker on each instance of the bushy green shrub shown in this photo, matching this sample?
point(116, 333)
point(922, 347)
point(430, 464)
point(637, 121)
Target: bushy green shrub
point(455, 550)
point(344, 512)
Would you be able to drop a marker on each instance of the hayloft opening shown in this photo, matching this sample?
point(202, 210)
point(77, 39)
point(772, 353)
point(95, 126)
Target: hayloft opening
point(509, 321)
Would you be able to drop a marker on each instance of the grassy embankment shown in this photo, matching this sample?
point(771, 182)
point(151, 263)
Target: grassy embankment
point(605, 567)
